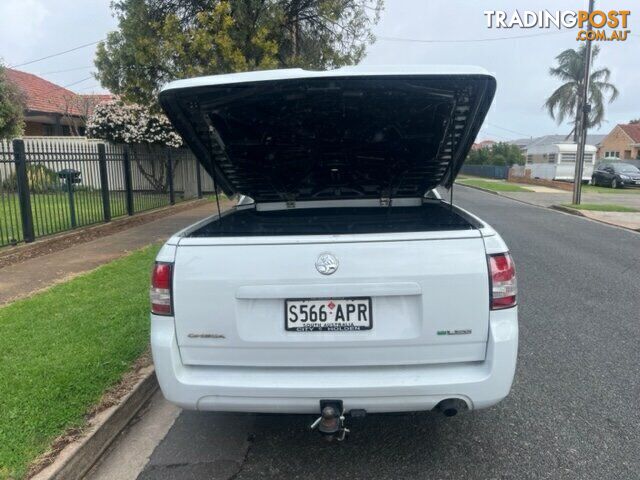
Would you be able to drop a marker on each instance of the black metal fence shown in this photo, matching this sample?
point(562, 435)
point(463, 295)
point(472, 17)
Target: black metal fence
point(488, 171)
point(50, 186)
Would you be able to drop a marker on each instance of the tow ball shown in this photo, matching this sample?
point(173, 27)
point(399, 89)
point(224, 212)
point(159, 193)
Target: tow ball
point(330, 423)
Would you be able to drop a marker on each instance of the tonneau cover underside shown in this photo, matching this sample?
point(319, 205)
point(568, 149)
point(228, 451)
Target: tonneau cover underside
point(322, 137)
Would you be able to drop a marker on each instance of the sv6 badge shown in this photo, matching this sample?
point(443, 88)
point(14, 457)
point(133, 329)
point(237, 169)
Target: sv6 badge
point(454, 332)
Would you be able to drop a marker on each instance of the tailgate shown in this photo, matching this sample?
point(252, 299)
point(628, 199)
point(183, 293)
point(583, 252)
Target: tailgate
point(429, 301)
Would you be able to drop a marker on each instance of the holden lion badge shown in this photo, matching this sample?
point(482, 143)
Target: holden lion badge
point(326, 264)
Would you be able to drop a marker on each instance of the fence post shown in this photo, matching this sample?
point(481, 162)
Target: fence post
point(104, 182)
point(172, 192)
point(126, 165)
point(24, 196)
point(198, 177)
point(72, 204)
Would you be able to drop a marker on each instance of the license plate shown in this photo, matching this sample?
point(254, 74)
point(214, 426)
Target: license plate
point(328, 314)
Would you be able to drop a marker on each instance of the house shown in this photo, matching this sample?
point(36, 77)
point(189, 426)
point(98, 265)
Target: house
point(483, 144)
point(623, 142)
point(52, 110)
point(521, 143)
point(554, 156)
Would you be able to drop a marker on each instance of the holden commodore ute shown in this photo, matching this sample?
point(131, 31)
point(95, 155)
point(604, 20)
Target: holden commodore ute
point(341, 283)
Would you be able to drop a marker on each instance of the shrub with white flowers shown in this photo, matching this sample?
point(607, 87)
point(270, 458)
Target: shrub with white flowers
point(119, 122)
point(146, 132)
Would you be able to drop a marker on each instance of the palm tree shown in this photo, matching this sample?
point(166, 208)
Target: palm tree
point(563, 102)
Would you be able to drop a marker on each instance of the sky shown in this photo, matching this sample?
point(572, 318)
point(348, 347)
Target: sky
point(31, 29)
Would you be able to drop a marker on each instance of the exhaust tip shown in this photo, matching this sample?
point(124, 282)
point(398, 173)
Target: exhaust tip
point(450, 412)
point(451, 406)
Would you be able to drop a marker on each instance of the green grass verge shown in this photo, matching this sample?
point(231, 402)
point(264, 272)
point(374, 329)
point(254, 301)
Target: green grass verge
point(61, 349)
point(600, 207)
point(496, 186)
point(51, 212)
point(598, 189)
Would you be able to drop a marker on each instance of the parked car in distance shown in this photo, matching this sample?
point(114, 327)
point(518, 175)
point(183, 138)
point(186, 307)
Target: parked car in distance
point(341, 283)
point(616, 175)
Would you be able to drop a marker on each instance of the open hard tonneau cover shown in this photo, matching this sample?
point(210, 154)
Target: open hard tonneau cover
point(354, 132)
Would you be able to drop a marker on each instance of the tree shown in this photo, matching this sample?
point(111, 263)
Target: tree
point(634, 121)
point(77, 110)
point(136, 125)
point(500, 153)
point(563, 102)
point(11, 108)
point(161, 40)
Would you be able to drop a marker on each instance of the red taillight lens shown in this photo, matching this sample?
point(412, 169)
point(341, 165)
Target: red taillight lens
point(504, 286)
point(160, 294)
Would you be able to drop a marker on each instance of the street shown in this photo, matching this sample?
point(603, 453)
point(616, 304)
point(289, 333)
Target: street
point(572, 413)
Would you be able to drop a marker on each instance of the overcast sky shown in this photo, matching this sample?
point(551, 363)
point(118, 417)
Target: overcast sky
point(30, 29)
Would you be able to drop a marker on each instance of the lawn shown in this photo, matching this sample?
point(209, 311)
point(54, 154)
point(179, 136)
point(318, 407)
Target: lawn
point(594, 189)
point(61, 349)
point(51, 212)
point(601, 207)
point(496, 186)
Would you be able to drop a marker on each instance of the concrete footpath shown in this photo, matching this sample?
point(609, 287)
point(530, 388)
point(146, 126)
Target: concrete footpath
point(25, 278)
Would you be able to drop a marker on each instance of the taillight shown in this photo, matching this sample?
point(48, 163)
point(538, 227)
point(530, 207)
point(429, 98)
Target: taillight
point(504, 287)
point(161, 302)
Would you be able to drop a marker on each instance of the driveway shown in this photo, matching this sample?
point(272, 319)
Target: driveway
point(572, 413)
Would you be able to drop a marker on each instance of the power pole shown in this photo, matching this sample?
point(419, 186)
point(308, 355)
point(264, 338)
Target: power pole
point(583, 115)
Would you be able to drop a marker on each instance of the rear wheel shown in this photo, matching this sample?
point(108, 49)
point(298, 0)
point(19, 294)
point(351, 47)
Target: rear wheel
point(614, 183)
point(593, 181)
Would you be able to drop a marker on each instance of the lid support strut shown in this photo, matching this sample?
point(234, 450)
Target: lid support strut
point(214, 175)
point(215, 188)
point(451, 197)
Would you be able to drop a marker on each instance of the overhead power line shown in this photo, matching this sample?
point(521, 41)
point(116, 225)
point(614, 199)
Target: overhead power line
point(67, 70)
point(496, 135)
point(493, 125)
point(95, 86)
point(56, 54)
point(469, 40)
point(78, 81)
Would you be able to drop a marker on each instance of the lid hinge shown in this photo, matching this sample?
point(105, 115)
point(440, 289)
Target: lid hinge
point(385, 198)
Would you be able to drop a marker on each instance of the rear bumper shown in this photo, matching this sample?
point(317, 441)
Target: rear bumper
point(375, 389)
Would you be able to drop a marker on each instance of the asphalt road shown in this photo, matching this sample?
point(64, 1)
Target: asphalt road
point(573, 411)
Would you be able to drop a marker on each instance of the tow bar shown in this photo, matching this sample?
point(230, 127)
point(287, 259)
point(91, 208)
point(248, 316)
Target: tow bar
point(330, 423)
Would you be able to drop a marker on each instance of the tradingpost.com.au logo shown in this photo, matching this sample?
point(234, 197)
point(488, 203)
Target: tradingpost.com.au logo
point(607, 26)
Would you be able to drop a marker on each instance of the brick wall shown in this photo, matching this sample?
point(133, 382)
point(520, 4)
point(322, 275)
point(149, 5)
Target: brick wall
point(33, 129)
point(618, 141)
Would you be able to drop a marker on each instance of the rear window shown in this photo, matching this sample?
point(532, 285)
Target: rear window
point(626, 169)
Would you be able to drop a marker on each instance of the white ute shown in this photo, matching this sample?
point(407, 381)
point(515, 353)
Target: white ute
point(341, 282)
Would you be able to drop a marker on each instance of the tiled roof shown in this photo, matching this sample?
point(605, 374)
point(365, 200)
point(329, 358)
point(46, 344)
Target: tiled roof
point(99, 97)
point(633, 130)
point(482, 144)
point(43, 96)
